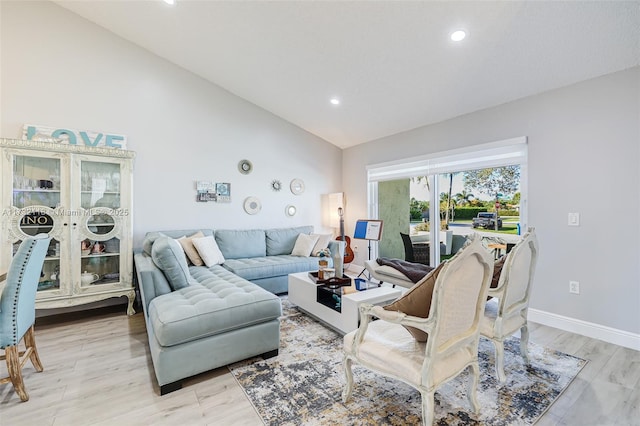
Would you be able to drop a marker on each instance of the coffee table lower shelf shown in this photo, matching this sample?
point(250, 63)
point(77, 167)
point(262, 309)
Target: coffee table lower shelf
point(303, 292)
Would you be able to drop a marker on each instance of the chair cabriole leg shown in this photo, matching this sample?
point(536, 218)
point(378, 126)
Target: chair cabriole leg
point(524, 343)
point(472, 393)
point(348, 387)
point(428, 407)
point(15, 371)
point(499, 345)
point(30, 342)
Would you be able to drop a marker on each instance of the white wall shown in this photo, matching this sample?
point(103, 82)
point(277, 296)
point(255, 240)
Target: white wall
point(584, 157)
point(63, 71)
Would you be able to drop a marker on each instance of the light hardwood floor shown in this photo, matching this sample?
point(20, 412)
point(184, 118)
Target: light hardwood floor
point(97, 371)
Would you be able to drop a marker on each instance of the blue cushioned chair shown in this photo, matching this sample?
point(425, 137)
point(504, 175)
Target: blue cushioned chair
point(17, 309)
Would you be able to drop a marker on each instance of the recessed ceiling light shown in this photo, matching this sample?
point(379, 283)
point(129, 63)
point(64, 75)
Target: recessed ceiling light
point(335, 101)
point(458, 35)
point(170, 2)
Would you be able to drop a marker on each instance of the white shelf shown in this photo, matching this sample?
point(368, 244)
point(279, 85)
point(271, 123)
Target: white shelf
point(101, 192)
point(38, 190)
point(100, 255)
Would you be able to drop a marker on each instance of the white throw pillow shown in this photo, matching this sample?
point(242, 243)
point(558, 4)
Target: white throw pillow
point(208, 250)
point(322, 243)
point(304, 245)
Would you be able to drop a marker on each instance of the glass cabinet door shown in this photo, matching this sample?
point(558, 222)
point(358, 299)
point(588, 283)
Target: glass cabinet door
point(36, 223)
point(100, 184)
point(100, 227)
point(36, 194)
point(36, 182)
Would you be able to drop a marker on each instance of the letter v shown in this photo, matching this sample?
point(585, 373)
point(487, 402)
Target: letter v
point(87, 139)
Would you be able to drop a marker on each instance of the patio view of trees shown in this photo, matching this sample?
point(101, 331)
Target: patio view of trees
point(497, 185)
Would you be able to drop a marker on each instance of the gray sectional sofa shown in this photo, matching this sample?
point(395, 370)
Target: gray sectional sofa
point(199, 318)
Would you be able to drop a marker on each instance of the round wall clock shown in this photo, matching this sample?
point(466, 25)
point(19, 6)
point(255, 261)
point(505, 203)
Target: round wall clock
point(245, 167)
point(252, 205)
point(297, 186)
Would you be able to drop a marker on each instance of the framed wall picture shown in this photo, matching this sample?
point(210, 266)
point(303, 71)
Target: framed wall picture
point(223, 189)
point(217, 192)
point(223, 192)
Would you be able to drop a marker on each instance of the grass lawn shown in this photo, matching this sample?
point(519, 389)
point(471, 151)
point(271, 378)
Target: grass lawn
point(509, 225)
point(507, 228)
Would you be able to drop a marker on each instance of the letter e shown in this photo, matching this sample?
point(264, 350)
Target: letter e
point(111, 139)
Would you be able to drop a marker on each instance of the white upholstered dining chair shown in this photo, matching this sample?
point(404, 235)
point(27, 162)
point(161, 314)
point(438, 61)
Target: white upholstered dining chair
point(452, 327)
point(506, 313)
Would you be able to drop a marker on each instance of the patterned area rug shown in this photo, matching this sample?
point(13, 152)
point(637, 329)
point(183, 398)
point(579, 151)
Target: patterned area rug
point(303, 384)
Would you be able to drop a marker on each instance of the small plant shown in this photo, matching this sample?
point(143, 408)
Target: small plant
point(424, 226)
point(325, 252)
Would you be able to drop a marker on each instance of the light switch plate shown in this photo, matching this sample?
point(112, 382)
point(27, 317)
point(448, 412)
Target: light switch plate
point(574, 287)
point(574, 219)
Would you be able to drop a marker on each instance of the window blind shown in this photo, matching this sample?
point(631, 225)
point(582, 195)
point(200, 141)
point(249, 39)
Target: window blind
point(495, 154)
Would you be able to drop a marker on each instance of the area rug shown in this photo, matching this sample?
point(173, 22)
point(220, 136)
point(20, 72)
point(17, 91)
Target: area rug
point(303, 384)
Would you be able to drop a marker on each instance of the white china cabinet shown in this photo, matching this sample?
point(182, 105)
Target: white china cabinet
point(81, 196)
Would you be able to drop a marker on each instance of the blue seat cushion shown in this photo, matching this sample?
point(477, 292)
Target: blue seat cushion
point(239, 243)
point(282, 240)
point(218, 302)
point(270, 266)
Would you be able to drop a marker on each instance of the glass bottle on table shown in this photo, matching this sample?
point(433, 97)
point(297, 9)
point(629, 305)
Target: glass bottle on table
point(338, 259)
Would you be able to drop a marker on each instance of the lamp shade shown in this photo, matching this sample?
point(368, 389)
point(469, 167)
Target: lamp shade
point(330, 216)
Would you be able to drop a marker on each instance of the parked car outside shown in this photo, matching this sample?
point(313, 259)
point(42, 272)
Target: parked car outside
point(486, 220)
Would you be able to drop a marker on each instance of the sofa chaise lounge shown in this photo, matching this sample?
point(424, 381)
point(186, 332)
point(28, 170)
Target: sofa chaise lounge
point(219, 314)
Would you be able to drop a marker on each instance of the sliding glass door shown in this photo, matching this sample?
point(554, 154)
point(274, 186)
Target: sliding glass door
point(445, 196)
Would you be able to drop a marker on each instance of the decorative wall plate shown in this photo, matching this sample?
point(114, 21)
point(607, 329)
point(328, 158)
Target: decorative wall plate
point(297, 186)
point(290, 210)
point(245, 167)
point(252, 205)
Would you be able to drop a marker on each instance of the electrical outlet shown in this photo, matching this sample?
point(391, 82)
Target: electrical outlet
point(573, 219)
point(574, 287)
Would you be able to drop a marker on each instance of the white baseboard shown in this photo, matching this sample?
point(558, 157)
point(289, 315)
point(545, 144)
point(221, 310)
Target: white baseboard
point(589, 329)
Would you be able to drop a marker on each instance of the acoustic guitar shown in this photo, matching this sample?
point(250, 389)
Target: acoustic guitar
point(348, 253)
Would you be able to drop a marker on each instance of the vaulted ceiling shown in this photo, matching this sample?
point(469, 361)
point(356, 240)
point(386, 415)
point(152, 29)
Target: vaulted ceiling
point(391, 64)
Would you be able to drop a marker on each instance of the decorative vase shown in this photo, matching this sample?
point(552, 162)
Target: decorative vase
point(338, 259)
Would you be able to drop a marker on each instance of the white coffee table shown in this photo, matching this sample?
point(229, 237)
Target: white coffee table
point(303, 292)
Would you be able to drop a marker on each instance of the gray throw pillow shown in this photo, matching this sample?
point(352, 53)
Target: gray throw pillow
point(169, 256)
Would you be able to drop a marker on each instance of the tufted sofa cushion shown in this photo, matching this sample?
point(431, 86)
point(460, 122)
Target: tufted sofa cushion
point(270, 266)
point(282, 240)
point(239, 243)
point(217, 303)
